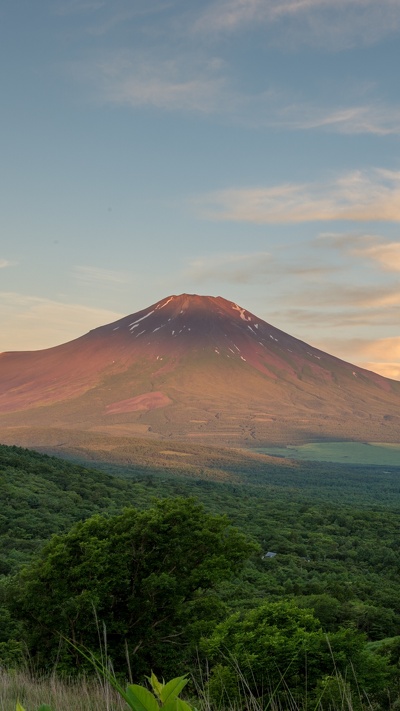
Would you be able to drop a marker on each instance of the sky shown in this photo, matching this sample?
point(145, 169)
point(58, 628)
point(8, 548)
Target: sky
point(239, 148)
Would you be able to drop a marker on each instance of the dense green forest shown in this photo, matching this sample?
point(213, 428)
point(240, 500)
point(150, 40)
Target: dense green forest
point(334, 575)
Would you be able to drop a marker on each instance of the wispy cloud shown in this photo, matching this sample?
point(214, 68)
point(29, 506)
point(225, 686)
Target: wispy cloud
point(284, 110)
point(173, 83)
point(346, 241)
point(43, 323)
point(338, 318)
point(251, 268)
point(358, 196)
point(196, 80)
point(332, 296)
point(332, 24)
point(375, 118)
point(4, 263)
point(337, 312)
point(386, 255)
point(375, 248)
point(98, 275)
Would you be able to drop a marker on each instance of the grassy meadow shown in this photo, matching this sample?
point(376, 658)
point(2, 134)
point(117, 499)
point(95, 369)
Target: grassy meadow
point(354, 453)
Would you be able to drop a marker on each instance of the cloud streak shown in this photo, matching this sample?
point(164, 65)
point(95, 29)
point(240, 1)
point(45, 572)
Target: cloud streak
point(197, 80)
point(340, 318)
point(375, 118)
point(350, 296)
point(251, 268)
point(204, 85)
point(331, 24)
point(386, 255)
point(98, 275)
point(137, 79)
point(357, 197)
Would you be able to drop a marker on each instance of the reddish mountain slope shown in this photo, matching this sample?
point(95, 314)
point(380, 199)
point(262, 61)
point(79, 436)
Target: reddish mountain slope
point(197, 367)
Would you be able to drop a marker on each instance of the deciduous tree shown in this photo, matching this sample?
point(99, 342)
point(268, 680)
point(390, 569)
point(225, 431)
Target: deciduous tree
point(150, 577)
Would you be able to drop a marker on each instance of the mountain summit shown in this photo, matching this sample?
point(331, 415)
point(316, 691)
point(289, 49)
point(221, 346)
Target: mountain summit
point(201, 368)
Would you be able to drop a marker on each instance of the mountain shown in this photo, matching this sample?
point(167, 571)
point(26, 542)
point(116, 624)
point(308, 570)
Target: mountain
point(196, 368)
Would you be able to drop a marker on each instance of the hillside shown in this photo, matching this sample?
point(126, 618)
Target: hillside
point(42, 495)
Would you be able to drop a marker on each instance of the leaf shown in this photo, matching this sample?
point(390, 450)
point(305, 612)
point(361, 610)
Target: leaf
point(156, 685)
point(141, 699)
point(18, 707)
point(183, 706)
point(173, 688)
point(44, 707)
point(176, 704)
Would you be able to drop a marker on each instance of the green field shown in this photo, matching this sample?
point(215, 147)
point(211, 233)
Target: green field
point(372, 453)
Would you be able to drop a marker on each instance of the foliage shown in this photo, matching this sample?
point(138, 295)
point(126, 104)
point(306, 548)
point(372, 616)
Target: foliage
point(42, 495)
point(165, 695)
point(279, 649)
point(12, 654)
point(149, 576)
point(164, 577)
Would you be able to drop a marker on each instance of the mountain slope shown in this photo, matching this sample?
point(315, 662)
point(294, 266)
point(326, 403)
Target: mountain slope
point(201, 368)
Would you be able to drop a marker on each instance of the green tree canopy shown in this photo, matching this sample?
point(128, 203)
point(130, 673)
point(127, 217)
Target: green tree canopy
point(150, 577)
point(280, 649)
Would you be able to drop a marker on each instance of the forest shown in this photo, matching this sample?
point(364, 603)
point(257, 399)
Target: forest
point(289, 575)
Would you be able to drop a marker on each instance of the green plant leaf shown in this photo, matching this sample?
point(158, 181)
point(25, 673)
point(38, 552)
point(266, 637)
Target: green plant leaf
point(141, 699)
point(44, 707)
point(156, 685)
point(173, 688)
point(176, 704)
point(18, 707)
point(183, 706)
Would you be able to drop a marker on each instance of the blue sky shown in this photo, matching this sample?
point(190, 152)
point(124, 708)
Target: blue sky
point(242, 148)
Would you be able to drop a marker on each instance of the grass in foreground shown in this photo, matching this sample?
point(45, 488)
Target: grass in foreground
point(59, 695)
point(21, 691)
